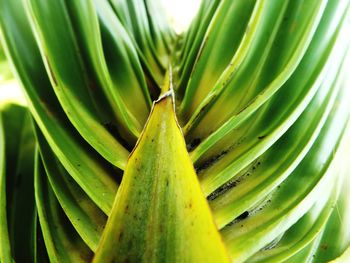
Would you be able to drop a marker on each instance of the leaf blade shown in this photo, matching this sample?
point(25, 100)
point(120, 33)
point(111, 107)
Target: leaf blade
point(159, 205)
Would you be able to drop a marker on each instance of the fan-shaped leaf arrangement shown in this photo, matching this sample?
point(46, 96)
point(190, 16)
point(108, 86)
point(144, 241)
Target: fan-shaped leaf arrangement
point(228, 143)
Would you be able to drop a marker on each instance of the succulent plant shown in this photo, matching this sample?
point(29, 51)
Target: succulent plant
point(227, 143)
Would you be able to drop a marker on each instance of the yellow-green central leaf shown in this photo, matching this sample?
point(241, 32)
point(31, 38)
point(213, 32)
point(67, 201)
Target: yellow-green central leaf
point(160, 213)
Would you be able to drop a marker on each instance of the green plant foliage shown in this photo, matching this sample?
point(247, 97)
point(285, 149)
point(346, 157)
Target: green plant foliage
point(226, 143)
point(17, 204)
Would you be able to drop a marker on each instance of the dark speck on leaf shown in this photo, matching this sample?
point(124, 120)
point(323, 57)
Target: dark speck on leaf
point(210, 161)
point(324, 246)
point(193, 144)
point(120, 236)
point(261, 137)
point(244, 215)
point(221, 190)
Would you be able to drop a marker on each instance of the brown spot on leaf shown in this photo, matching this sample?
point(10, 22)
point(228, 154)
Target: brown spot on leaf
point(120, 236)
point(324, 246)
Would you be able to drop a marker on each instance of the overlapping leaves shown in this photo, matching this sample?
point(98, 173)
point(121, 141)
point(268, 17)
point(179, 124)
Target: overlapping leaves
point(260, 94)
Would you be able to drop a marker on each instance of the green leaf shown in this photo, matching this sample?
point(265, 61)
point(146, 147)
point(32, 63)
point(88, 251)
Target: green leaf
point(62, 242)
point(92, 172)
point(160, 213)
point(17, 204)
point(335, 239)
point(211, 59)
point(133, 15)
point(246, 138)
point(276, 164)
point(70, 81)
point(85, 216)
point(316, 175)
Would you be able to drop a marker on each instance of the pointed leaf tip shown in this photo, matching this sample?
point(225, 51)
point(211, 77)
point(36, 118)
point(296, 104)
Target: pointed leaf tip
point(160, 213)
